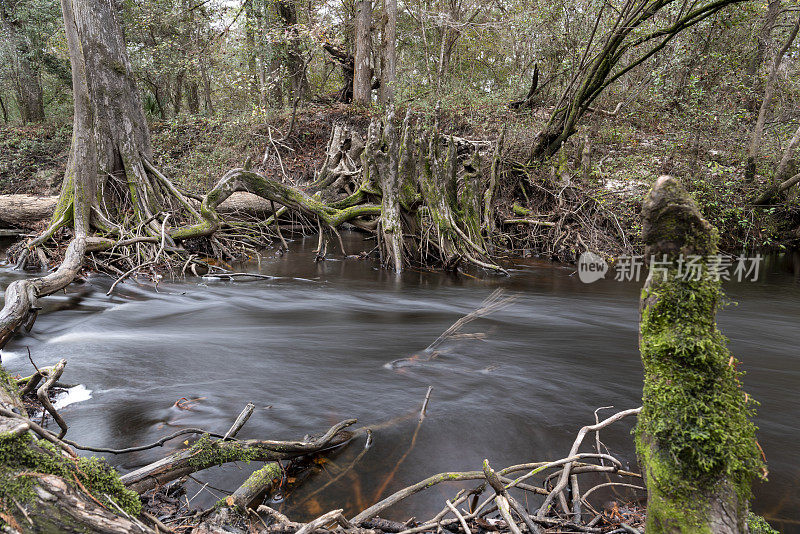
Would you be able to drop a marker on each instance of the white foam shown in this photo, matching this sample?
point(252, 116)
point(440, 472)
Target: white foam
point(72, 337)
point(75, 394)
point(8, 356)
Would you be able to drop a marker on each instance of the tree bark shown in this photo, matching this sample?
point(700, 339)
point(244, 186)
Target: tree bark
point(25, 211)
point(362, 79)
point(762, 39)
point(389, 51)
point(3, 108)
point(29, 92)
point(695, 441)
point(192, 97)
point(111, 138)
point(384, 147)
point(177, 92)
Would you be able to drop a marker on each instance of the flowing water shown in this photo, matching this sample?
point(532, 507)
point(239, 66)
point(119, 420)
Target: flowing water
point(314, 346)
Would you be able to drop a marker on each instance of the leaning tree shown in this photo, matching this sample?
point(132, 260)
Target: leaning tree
point(620, 39)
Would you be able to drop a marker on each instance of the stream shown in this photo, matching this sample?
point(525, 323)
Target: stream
point(315, 345)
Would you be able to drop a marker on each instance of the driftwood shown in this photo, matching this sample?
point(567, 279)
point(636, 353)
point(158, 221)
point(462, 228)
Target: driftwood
point(258, 483)
point(61, 500)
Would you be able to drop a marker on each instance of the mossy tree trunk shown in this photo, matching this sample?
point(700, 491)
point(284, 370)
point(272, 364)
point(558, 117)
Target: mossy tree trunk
point(694, 438)
point(385, 145)
point(106, 174)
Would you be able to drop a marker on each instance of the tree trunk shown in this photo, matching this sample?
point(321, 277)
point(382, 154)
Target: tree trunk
point(177, 92)
point(110, 133)
point(294, 57)
point(27, 84)
point(347, 62)
point(762, 39)
point(250, 47)
point(192, 97)
point(772, 192)
point(362, 79)
point(382, 156)
point(208, 105)
point(389, 50)
point(769, 92)
point(3, 108)
point(29, 93)
point(599, 66)
point(694, 438)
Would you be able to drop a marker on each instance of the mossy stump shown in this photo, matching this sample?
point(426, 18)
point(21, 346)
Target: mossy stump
point(695, 441)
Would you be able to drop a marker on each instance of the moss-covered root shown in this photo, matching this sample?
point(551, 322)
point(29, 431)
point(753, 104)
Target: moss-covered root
point(695, 440)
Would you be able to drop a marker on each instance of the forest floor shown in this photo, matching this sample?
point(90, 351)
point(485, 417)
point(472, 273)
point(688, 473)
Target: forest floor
point(627, 153)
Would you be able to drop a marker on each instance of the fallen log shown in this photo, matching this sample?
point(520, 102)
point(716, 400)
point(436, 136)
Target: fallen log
point(259, 482)
point(25, 211)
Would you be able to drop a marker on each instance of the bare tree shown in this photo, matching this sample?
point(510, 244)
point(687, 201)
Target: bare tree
point(362, 79)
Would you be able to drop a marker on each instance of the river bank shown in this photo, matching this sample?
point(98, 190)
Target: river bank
point(587, 197)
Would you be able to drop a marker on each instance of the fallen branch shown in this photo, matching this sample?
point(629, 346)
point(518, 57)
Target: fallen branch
point(207, 453)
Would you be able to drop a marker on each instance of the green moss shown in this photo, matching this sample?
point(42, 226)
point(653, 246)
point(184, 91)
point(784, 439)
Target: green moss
point(676, 510)
point(520, 211)
point(695, 429)
point(207, 452)
point(672, 217)
point(759, 525)
point(694, 406)
point(21, 457)
point(268, 473)
point(7, 382)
